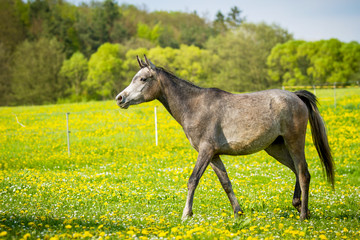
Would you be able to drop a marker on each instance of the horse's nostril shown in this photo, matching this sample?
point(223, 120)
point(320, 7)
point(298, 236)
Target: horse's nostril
point(119, 98)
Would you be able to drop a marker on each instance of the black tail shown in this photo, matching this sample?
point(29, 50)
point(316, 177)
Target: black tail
point(318, 133)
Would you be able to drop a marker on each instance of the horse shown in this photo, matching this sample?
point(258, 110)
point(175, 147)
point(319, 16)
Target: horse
point(218, 123)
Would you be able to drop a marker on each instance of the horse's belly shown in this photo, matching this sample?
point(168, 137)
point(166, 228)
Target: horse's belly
point(247, 142)
point(241, 148)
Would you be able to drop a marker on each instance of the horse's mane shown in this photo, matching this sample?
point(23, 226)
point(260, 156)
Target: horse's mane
point(172, 76)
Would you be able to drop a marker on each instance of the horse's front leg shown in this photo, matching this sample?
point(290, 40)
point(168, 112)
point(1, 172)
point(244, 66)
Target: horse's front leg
point(220, 171)
point(203, 160)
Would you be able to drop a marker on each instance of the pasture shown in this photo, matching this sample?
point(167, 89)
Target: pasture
point(118, 184)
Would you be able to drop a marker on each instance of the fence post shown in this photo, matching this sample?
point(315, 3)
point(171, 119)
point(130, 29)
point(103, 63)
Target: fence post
point(335, 95)
point(68, 132)
point(156, 132)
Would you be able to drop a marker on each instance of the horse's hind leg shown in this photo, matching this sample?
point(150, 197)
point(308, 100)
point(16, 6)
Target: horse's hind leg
point(295, 146)
point(279, 151)
point(220, 171)
point(297, 194)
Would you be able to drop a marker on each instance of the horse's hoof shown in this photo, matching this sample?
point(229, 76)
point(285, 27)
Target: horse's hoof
point(305, 216)
point(238, 214)
point(297, 204)
point(187, 215)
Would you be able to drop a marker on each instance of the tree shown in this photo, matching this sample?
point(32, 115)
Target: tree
point(284, 65)
point(314, 63)
point(243, 54)
point(12, 30)
point(151, 34)
point(105, 15)
point(234, 20)
point(35, 71)
point(105, 67)
point(191, 63)
point(74, 71)
point(61, 25)
point(220, 23)
point(97, 24)
point(5, 76)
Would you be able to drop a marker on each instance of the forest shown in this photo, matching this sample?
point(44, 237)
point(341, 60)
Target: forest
point(53, 51)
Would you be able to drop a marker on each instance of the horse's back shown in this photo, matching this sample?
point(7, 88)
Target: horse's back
point(251, 122)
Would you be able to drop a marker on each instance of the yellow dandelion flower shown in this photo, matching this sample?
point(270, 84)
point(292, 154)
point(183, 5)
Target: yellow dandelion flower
point(87, 234)
point(162, 234)
point(281, 226)
point(26, 236)
point(252, 228)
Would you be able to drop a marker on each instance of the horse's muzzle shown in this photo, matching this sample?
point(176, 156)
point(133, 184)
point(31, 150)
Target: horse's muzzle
point(121, 101)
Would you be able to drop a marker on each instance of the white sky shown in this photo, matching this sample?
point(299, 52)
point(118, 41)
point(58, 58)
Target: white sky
point(307, 19)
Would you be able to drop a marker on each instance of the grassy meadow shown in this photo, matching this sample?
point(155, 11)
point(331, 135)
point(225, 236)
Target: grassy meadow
point(118, 184)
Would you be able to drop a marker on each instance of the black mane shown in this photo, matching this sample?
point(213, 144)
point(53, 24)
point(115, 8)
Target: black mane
point(178, 80)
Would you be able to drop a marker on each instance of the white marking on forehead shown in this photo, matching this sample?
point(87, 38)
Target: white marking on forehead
point(141, 72)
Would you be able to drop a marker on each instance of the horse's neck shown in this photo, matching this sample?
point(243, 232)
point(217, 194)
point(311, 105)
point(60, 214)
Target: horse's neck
point(176, 96)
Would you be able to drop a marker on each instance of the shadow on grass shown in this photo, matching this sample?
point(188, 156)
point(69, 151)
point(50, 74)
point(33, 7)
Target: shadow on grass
point(16, 225)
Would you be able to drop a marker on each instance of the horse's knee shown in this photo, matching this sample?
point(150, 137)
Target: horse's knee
point(192, 183)
point(305, 174)
point(227, 187)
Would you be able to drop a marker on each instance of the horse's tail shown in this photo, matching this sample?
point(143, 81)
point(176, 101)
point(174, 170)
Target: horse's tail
point(318, 133)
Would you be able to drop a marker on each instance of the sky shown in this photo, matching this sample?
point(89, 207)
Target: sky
point(309, 20)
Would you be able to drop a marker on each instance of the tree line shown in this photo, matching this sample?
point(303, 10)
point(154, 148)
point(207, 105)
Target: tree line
point(53, 51)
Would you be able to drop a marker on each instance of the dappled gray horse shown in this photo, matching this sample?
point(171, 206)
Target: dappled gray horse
point(217, 122)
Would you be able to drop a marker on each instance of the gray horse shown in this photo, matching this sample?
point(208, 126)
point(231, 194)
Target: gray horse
point(217, 122)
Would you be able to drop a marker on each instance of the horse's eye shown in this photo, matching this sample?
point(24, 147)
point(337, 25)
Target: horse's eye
point(143, 79)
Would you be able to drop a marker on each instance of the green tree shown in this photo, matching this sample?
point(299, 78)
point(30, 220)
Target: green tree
point(234, 20)
point(105, 68)
point(97, 24)
point(5, 76)
point(61, 25)
point(284, 65)
point(314, 63)
point(151, 34)
point(35, 72)
point(84, 31)
point(220, 23)
point(105, 14)
point(351, 58)
point(243, 55)
point(191, 63)
point(12, 29)
point(74, 71)
point(163, 57)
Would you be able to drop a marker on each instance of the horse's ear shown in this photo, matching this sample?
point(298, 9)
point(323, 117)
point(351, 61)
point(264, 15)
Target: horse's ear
point(141, 62)
point(149, 64)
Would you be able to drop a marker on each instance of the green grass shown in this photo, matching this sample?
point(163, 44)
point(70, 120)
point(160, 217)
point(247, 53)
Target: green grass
point(118, 184)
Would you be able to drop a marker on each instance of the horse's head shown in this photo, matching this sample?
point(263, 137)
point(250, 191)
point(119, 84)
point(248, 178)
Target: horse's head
point(143, 88)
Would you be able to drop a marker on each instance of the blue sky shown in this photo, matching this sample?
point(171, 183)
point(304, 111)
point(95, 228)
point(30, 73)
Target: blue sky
point(306, 19)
